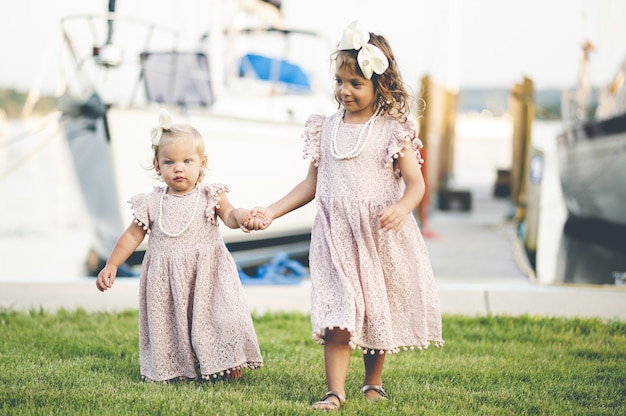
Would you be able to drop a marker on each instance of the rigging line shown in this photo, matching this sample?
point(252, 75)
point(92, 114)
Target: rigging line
point(28, 156)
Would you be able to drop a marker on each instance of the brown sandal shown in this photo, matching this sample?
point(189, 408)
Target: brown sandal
point(325, 404)
point(382, 394)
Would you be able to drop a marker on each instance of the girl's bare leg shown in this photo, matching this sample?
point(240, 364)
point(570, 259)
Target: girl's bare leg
point(234, 374)
point(336, 361)
point(373, 372)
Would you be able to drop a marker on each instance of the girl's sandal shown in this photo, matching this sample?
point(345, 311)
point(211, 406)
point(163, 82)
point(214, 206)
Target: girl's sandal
point(382, 394)
point(325, 404)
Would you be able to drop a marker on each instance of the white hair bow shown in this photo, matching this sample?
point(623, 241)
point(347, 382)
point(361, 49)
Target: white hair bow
point(370, 58)
point(165, 122)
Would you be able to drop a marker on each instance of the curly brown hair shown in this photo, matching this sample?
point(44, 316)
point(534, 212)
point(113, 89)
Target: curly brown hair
point(389, 86)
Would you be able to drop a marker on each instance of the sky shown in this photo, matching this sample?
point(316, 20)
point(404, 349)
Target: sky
point(459, 43)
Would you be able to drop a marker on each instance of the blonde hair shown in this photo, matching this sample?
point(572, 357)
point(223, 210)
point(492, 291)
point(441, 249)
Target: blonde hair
point(389, 87)
point(180, 130)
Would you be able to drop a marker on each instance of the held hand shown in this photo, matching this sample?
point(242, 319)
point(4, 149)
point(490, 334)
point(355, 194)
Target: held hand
point(392, 218)
point(248, 222)
point(106, 278)
point(259, 219)
point(243, 224)
point(251, 222)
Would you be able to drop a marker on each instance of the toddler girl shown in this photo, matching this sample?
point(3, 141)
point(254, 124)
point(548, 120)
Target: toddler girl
point(193, 318)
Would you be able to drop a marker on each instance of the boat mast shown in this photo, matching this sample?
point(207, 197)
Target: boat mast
point(110, 23)
point(583, 90)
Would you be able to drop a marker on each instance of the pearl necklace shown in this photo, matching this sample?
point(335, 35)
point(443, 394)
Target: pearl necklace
point(193, 214)
point(360, 143)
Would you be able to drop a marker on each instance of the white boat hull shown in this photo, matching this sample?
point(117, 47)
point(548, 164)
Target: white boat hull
point(592, 162)
point(260, 161)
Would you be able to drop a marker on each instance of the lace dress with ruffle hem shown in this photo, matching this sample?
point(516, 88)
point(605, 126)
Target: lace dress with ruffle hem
point(378, 285)
point(193, 317)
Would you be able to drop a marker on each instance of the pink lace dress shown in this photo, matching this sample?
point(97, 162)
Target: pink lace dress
point(378, 285)
point(193, 317)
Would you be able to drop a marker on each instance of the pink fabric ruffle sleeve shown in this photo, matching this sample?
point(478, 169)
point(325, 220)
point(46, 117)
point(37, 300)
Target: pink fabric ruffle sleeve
point(312, 137)
point(213, 192)
point(403, 133)
point(139, 205)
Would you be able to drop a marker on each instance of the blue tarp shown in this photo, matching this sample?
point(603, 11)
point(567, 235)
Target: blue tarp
point(281, 270)
point(270, 69)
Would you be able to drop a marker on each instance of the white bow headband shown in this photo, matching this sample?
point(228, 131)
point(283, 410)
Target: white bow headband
point(370, 58)
point(165, 123)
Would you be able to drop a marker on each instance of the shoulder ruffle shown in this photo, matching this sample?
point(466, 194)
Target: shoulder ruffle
point(213, 192)
point(403, 133)
point(139, 205)
point(312, 137)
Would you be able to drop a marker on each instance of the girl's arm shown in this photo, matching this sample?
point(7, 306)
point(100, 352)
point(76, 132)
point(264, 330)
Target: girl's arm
point(394, 216)
point(125, 246)
point(231, 216)
point(300, 195)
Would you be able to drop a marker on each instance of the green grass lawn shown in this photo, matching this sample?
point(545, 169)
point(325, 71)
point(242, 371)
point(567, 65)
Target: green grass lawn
point(79, 363)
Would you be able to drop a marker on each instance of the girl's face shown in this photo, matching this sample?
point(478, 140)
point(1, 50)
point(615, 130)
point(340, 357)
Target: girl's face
point(179, 163)
point(354, 92)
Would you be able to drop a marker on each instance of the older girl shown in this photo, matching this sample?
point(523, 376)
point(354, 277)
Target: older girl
point(372, 282)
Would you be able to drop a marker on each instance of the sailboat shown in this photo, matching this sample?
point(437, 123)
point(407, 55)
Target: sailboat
point(592, 151)
point(247, 84)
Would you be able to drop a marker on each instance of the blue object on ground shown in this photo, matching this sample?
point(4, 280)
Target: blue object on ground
point(281, 270)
